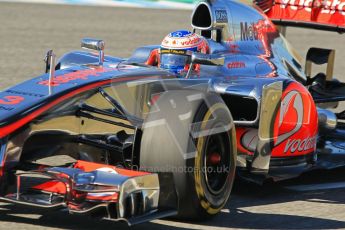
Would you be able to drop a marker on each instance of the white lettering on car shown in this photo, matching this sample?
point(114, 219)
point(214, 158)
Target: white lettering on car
point(300, 144)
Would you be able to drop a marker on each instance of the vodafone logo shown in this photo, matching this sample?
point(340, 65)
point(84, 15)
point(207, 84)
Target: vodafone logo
point(179, 40)
point(295, 128)
point(292, 100)
point(190, 42)
point(327, 6)
point(300, 144)
point(296, 124)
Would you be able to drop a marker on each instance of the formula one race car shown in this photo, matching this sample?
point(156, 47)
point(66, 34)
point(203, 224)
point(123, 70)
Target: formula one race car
point(124, 140)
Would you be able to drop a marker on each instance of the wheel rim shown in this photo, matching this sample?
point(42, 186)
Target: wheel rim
point(216, 163)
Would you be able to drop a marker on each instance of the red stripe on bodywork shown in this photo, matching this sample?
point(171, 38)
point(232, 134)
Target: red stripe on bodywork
point(4, 131)
point(16, 125)
point(59, 187)
point(52, 186)
point(91, 166)
point(113, 197)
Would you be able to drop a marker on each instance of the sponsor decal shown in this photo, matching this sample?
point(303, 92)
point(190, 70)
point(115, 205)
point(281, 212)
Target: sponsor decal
point(236, 65)
point(221, 16)
point(24, 93)
point(190, 42)
point(173, 51)
point(184, 43)
point(300, 144)
point(296, 124)
point(5, 108)
point(11, 100)
point(181, 41)
point(180, 34)
point(248, 31)
point(292, 99)
point(326, 6)
point(82, 75)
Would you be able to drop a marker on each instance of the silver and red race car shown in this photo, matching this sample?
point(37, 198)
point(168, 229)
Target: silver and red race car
point(122, 139)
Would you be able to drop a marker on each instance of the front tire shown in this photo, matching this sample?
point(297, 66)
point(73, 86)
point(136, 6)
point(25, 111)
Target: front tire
point(191, 135)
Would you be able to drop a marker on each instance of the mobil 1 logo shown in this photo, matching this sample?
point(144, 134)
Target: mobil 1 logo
point(221, 16)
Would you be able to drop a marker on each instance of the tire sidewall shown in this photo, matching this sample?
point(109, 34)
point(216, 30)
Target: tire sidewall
point(178, 137)
point(207, 203)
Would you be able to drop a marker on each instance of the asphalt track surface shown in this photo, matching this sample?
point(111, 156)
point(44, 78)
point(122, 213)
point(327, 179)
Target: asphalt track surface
point(28, 30)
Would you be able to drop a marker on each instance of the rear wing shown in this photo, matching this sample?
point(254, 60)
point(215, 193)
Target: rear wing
point(316, 14)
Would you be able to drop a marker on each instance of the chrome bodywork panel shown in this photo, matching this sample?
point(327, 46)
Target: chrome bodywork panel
point(269, 105)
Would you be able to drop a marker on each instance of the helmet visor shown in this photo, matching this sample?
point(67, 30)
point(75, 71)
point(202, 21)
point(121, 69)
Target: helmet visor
point(174, 61)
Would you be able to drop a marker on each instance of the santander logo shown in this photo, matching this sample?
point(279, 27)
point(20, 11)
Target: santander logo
point(326, 6)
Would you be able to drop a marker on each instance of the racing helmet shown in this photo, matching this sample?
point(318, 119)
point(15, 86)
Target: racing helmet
point(177, 47)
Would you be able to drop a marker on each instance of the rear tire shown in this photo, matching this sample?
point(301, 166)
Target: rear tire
point(191, 135)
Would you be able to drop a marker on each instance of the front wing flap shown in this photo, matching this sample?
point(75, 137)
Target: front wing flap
point(87, 187)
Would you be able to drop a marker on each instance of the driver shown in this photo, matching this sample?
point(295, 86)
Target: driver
point(176, 49)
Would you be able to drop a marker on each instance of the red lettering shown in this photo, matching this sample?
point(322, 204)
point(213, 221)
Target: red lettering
point(83, 75)
point(11, 100)
point(236, 65)
point(190, 42)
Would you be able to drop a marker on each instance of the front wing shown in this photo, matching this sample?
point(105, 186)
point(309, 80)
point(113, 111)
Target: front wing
point(86, 188)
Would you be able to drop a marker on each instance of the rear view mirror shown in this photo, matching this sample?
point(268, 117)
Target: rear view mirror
point(208, 59)
point(94, 44)
point(205, 59)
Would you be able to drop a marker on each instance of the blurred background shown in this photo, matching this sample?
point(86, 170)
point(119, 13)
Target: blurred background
point(28, 30)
